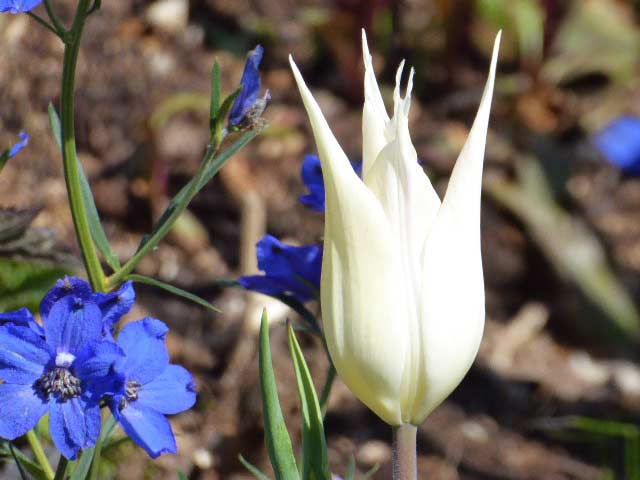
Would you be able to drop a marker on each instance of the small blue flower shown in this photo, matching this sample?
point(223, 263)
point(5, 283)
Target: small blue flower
point(289, 270)
point(151, 387)
point(619, 143)
point(248, 103)
point(18, 6)
point(15, 149)
point(21, 318)
point(313, 179)
point(113, 305)
point(64, 372)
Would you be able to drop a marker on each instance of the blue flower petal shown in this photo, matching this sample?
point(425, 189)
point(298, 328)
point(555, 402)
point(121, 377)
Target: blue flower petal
point(147, 427)
point(276, 286)
point(251, 85)
point(143, 343)
point(74, 425)
point(24, 141)
point(65, 287)
point(288, 269)
point(116, 304)
point(72, 324)
point(18, 6)
point(21, 318)
point(23, 355)
point(95, 366)
point(312, 178)
point(619, 143)
point(172, 392)
point(21, 410)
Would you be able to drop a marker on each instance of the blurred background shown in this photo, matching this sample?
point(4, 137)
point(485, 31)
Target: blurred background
point(555, 392)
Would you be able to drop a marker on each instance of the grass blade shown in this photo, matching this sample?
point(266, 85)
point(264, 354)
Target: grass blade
point(172, 289)
point(276, 435)
point(315, 463)
point(252, 469)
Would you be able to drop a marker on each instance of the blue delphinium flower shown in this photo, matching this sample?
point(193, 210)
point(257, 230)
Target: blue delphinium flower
point(113, 305)
point(313, 179)
point(64, 372)
point(248, 106)
point(150, 388)
point(18, 6)
point(15, 149)
point(289, 270)
point(619, 143)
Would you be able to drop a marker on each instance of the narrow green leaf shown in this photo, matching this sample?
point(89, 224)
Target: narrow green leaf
point(21, 470)
point(253, 469)
point(182, 475)
point(372, 471)
point(8, 450)
point(56, 126)
point(351, 469)
point(216, 94)
point(315, 463)
point(95, 225)
point(172, 289)
point(4, 158)
point(210, 171)
point(84, 465)
point(276, 436)
point(228, 103)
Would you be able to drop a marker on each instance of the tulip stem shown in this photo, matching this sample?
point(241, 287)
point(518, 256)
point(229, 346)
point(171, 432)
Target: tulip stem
point(404, 452)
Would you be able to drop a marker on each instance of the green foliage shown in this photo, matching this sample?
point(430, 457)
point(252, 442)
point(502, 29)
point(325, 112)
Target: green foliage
point(315, 461)
point(8, 451)
point(276, 435)
point(174, 290)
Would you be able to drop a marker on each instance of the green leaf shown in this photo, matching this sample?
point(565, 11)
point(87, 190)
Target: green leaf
point(228, 103)
point(24, 463)
point(276, 436)
point(4, 158)
point(372, 471)
point(84, 465)
point(182, 475)
point(95, 225)
point(351, 469)
point(175, 290)
point(23, 283)
point(216, 94)
point(56, 126)
point(183, 196)
point(253, 469)
point(315, 463)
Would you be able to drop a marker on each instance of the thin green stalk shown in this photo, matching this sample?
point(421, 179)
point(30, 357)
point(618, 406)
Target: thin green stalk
point(69, 151)
point(164, 229)
point(326, 390)
point(57, 23)
point(44, 23)
point(61, 471)
point(405, 465)
point(36, 446)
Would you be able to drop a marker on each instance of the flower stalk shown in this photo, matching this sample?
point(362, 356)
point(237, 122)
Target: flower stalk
point(404, 452)
point(69, 149)
point(36, 446)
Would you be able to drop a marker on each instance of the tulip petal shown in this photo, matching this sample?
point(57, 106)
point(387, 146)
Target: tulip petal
point(374, 114)
point(453, 286)
point(363, 294)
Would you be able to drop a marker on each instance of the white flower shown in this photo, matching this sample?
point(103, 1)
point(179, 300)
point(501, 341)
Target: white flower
point(402, 287)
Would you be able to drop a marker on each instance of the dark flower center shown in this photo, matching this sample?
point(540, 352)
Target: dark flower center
point(130, 393)
point(61, 383)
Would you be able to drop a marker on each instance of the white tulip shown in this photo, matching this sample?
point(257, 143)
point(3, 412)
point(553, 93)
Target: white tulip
point(402, 290)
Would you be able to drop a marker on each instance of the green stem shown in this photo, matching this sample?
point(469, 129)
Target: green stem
point(69, 151)
point(43, 22)
point(326, 390)
point(36, 446)
point(62, 468)
point(119, 276)
point(404, 452)
point(57, 23)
